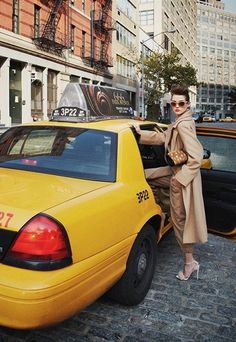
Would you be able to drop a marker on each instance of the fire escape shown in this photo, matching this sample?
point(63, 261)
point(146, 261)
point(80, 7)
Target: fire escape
point(101, 28)
point(50, 38)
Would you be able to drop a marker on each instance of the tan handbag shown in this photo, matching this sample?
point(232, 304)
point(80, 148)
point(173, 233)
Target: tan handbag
point(177, 158)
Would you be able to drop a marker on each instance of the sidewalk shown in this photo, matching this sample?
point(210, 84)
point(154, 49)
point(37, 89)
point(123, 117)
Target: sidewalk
point(203, 310)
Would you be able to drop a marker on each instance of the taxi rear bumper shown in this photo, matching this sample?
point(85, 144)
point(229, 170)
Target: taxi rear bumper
point(36, 299)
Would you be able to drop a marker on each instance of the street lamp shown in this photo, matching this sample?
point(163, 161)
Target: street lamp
point(142, 61)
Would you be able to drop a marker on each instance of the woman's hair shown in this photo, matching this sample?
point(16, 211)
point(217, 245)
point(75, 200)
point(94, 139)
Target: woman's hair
point(180, 90)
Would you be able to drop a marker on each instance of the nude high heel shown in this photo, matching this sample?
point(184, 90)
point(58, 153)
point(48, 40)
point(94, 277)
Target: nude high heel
point(196, 267)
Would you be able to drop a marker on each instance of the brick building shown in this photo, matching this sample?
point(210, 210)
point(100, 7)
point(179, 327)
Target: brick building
point(45, 44)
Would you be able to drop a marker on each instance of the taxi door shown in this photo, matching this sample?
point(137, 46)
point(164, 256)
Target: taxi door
point(219, 182)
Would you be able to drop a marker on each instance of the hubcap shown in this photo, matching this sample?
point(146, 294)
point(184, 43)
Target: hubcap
point(142, 264)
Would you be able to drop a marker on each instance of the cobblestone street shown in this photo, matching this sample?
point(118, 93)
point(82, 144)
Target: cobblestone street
point(203, 310)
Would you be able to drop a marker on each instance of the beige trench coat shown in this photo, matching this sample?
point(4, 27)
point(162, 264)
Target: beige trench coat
point(181, 135)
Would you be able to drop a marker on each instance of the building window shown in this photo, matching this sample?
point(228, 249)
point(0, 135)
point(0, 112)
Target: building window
point(166, 20)
point(166, 43)
point(146, 18)
point(72, 38)
point(103, 49)
point(36, 21)
point(85, 80)
point(96, 53)
point(83, 5)
point(74, 79)
point(125, 67)
point(52, 90)
point(15, 16)
point(37, 92)
point(127, 8)
point(36, 98)
point(124, 36)
point(83, 44)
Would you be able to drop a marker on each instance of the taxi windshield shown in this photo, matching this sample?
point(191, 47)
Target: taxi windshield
point(64, 151)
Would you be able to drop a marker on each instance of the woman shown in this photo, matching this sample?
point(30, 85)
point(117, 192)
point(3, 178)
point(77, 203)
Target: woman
point(186, 201)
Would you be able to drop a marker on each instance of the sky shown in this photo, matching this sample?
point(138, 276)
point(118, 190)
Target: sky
point(230, 5)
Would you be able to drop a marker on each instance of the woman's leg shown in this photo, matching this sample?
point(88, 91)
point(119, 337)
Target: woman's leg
point(161, 190)
point(178, 216)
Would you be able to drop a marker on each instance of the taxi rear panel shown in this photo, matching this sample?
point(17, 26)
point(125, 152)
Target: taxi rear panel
point(39, 192)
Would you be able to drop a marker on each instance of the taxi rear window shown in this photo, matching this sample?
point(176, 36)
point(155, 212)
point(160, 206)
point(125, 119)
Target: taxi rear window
point(71, 152)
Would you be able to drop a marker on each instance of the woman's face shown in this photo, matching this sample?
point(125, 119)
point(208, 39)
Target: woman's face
point(179, 104)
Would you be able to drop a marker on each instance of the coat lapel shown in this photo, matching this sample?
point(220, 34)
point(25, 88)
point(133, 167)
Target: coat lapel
point(185, 116)
point(171, 133)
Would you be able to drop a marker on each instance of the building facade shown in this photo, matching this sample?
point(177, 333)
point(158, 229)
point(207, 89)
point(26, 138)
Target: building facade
point(159, 17)
point(216, 56)
point(125, 44)
point(44, 45)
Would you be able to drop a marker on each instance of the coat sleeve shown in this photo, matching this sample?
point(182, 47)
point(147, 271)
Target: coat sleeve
point(194, 150)
point(152, 138)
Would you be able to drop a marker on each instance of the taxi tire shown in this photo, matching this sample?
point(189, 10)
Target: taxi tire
point(133, 286)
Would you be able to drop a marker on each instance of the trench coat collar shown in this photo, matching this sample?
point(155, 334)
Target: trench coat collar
point(171, 134)
point(185, 116)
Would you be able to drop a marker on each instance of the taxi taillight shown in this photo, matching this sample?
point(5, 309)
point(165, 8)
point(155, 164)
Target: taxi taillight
point(41, 244)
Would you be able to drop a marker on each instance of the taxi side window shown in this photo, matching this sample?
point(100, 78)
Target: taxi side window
point(223, 156)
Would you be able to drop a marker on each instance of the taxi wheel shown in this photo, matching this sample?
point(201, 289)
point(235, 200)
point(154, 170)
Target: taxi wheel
point(135, 282)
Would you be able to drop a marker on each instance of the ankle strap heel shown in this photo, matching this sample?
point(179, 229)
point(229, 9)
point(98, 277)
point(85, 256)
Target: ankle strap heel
point(195, 267)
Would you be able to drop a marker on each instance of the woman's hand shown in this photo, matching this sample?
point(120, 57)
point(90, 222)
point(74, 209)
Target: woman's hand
point(137, 128)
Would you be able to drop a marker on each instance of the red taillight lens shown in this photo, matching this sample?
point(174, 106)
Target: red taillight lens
point(41, 239)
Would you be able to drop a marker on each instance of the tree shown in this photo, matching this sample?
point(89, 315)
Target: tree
point(161, 71)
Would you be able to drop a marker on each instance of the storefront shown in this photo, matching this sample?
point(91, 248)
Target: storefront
point(31, 86)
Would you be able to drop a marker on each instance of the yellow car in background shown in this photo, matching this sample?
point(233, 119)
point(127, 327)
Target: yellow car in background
point(208, 118)
point(227, 119)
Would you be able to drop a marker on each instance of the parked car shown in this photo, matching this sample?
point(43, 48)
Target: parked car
point(78, 217)
point(208, 118)
point(219, 181)
point(227, 119)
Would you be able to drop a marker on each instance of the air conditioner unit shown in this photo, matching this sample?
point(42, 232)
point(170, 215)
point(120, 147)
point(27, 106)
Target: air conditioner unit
point(36, 76)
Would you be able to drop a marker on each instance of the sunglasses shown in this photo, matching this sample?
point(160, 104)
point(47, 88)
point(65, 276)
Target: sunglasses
point(180, 103)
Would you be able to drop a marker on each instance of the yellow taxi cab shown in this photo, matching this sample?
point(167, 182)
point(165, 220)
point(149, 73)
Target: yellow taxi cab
point(163, 125)
point(208, 118)
point(227, 119)
point(78, 217)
